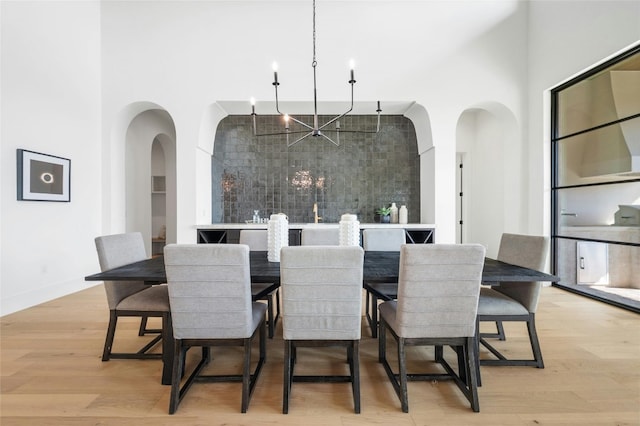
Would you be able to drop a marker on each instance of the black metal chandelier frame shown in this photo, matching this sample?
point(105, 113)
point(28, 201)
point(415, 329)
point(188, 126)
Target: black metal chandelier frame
point(314, 129)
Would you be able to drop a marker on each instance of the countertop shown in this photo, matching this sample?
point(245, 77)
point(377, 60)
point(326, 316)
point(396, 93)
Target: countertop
point(315, 225)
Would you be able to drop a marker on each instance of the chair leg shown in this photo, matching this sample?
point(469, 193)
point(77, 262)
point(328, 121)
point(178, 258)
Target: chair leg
point(500, 331)
point(275, 320)
point(438, 352)
point(178, 363)
point(286, 390)
point(382, 342)
point(472, 372)
point(536, 361)
point(476, 353)
point(143, 326)
point(402, 365)
point(270, 317)
point(355, 374)
point(167, 349)
point(374, 316)
point(535, 343)
point(246, 375)
point(111, 332)
point(367, 311)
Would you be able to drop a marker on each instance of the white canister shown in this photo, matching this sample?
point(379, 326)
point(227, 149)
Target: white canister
point(403, 215)
point(277, 236)
point(349, 230)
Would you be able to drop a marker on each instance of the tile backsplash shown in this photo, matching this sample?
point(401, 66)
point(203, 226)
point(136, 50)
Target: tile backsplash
point(365, 172)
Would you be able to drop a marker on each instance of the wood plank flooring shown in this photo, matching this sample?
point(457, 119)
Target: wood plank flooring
point(52, 374)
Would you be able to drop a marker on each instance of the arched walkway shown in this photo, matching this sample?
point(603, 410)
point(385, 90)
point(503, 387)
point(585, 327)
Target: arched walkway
point(487, 135)
point(136, 128)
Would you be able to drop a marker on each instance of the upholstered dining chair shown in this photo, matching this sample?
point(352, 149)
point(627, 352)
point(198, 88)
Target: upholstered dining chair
point(257, 240)
point(514, 301)
point(321, 306)
point(376, 239)
point(130, 298)
point(210, 296)
point(320, 236)
point(438, 290)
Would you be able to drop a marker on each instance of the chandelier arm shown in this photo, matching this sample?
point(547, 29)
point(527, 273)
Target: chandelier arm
point(300, 123)
point(281, 133)
point(334, 119)
point(329, 139)
point(299, 139)
point(275, 85)
point(373, 132)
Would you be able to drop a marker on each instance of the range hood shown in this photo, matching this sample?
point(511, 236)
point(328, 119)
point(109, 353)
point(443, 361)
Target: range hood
point(615, 150)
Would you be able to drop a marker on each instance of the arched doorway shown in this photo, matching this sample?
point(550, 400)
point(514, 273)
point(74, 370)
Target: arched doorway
point(489, 200)
point(138, 129)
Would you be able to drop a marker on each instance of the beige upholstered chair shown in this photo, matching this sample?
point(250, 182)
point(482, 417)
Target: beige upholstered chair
point(130, 298)
point(376, 239)
point(322, 302)
point(257, 240)
point(514, 301)
point(210, 295)
point(438, 289)
point(320, 236)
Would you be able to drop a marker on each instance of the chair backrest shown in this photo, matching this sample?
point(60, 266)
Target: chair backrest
point(383, 239)
point(321, 292)
point(529, 251)
point(438, 289)
point(209, 290)
point(118, 250)
point(320, 237)
point(256, 239)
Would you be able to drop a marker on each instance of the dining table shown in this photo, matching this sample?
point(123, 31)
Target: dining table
point(380, 277)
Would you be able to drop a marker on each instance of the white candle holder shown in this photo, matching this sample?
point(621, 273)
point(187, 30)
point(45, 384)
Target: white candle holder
point(349, 230)
point(277, 236)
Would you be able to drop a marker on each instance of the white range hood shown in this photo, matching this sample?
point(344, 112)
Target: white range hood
point(615, 150)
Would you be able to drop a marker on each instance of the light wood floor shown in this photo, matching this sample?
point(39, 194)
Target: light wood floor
point(52, 374)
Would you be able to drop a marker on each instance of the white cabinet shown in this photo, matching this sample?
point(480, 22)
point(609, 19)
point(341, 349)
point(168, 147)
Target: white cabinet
point(592, 263)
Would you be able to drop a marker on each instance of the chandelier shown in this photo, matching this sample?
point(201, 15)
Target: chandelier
point(314, 129)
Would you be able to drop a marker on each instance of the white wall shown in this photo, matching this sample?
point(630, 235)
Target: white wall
point(565, 38)
point(214, 51)
point(51, 104)
point(72, 84)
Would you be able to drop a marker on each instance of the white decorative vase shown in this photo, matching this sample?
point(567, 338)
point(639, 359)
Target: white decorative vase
point(403, 215)
point(349, 230)
point(277, 236)
point(394, 213)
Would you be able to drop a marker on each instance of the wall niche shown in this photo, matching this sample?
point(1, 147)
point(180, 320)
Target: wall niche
point(364, 173)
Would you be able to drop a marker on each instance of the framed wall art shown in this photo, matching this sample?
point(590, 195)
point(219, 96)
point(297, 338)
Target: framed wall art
point(43, 177)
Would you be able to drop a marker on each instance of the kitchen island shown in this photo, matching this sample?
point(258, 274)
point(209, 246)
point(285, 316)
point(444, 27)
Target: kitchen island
point(416, 233)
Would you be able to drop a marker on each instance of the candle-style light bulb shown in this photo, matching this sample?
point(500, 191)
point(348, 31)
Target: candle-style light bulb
point(252, 101)
point(352, 65)
point(286, 121)
point(275, 72)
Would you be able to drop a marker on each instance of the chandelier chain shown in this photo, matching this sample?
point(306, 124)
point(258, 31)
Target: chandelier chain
point(314, 63)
